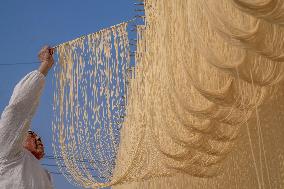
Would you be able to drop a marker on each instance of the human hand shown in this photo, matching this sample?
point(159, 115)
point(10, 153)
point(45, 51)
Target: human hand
point(46, 57)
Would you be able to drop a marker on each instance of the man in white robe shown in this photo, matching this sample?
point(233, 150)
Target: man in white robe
point(20, 149)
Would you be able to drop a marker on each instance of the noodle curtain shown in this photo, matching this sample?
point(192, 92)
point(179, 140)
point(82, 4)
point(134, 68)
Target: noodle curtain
point(194, 106)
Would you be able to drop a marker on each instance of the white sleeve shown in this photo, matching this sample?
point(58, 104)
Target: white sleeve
point(16, 117)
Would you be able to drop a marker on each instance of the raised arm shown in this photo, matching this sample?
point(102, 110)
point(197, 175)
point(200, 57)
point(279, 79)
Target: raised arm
point(16, 117)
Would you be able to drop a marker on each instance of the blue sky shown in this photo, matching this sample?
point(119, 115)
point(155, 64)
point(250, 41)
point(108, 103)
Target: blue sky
point(25, 26)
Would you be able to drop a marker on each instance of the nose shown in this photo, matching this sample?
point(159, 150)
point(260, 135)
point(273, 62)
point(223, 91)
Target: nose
point(39, 142)
point(37, 138)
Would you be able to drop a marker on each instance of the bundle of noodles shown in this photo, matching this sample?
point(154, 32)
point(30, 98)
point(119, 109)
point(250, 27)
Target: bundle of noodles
point(207, 66)
point(203, 69)
point(90, 81)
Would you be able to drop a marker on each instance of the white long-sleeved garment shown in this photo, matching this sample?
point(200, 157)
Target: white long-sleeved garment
point(19, 169)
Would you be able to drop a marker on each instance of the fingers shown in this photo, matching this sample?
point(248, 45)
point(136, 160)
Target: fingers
point(46, 49)
point(51, 51)
point(46, 53)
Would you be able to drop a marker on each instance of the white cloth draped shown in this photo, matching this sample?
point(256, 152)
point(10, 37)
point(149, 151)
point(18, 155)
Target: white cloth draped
point(19, 169)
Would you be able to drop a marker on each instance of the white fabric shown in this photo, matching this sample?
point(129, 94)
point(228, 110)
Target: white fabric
point(19, 169)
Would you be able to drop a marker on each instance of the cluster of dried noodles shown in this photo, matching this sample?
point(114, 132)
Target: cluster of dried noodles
point(90, 82)
point(203, 69)
point(207, 67)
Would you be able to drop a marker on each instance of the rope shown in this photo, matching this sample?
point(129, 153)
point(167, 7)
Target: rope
point(20, 63)
point(56, 46)
point(102, 30)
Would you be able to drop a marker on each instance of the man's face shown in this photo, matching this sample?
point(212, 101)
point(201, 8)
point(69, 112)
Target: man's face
point(34, 145)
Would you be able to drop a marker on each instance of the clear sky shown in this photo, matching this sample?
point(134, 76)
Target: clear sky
point(25, 26)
